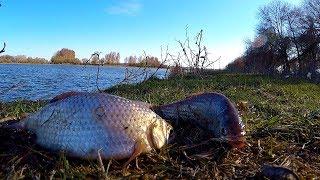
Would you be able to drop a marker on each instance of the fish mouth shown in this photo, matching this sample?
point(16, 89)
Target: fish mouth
point(238, 142)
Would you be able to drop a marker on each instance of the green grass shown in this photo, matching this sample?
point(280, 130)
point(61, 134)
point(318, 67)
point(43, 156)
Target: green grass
point(282, 119)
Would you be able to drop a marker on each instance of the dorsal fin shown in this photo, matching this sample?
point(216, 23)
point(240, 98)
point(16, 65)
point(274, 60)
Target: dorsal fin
point(64, 96)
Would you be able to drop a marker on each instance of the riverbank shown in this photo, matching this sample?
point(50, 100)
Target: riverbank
point(282, 121)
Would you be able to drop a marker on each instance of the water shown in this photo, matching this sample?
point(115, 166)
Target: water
point(35, 82)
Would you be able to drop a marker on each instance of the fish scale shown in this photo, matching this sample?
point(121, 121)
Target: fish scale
point(84, 123)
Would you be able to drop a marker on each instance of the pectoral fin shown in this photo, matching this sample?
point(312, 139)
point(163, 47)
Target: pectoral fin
point(64, 96)
point(139, 148)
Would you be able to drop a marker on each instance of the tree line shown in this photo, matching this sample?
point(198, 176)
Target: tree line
point(287, 41)
point(68, 56)
point(22, 59)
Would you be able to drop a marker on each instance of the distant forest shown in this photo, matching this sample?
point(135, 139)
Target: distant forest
point(287, 42)
point(68, 56)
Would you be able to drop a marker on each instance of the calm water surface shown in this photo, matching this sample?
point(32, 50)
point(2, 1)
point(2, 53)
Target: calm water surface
point(34, 82)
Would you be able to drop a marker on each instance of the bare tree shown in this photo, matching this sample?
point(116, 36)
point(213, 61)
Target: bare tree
point(273, 25)
point(312, 8)
point(131, 60)
point(112, 58)
point(273, 16)
point(288, 38)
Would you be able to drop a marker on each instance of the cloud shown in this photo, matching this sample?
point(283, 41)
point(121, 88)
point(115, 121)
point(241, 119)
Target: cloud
point(127, 7)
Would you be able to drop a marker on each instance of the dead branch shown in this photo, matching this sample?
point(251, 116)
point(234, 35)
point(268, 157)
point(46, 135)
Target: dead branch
point(3, 49)
point(97, 54)
point(195, 54)
point(164, 59)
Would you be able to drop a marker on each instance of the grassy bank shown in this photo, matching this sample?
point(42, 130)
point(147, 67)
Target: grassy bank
point(282, 120)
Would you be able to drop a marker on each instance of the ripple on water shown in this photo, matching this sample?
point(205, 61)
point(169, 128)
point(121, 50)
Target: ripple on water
point(33, 82)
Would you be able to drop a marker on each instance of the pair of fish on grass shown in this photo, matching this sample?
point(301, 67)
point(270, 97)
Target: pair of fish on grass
point(83, 124)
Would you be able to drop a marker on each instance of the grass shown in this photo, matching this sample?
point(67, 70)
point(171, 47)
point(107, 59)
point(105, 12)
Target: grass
point(282, 120)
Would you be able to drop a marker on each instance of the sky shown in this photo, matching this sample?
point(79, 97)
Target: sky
point(39, 28)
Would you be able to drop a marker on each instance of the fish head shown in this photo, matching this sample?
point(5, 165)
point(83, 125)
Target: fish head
point(213, 112)
point(230, 126)
point(216, 113)
point(159, 133)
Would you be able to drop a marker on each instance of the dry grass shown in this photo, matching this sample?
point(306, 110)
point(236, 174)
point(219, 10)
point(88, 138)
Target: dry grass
point(282, 121)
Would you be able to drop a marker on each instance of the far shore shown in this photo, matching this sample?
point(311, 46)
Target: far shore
point(112, 65)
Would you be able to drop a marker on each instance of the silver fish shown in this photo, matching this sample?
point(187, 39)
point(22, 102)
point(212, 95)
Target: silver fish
point(211, 111)
point(81, 124)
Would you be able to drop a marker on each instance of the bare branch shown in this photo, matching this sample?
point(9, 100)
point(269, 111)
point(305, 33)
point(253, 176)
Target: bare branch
point(195, 54)
point(3, 49)
point(97, 54)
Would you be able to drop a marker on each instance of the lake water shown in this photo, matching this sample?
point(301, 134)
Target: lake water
point(34, 82)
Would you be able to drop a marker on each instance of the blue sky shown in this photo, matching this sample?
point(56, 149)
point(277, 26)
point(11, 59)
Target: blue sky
point(40, 28)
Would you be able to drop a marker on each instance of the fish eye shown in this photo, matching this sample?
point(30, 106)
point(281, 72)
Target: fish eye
point(223, 131)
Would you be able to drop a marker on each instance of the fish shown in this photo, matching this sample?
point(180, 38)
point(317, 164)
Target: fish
point(277, 172)
point(211, 111)
point(90, 125)
point(97, 125)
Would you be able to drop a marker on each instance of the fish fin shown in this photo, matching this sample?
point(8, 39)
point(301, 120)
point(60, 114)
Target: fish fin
point(153, 140)
point(139, 148)
point(194, 94)
point(63, 96)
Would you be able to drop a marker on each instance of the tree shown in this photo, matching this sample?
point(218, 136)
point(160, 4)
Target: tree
point(84, 60)
point(21, 59)
point(310, 38)
point(287, 37)
point(95, 60)
point(64, 56)
point(112, 58)
point(273, 26)
point(149, 61)
point(238, 65)
point(131, 60)
point(312, 8)
point(6, 59)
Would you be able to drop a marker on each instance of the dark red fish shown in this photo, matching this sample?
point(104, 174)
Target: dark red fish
point(278, 172)
point(210, 111)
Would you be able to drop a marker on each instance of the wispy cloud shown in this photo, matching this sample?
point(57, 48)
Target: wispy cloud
point(127, 7)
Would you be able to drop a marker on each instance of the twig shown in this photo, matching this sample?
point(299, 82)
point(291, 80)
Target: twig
point(102, 166)
point(108, 167)
point(95, 54)
point(52, 173)
point(3, 49)
point(195, 56)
